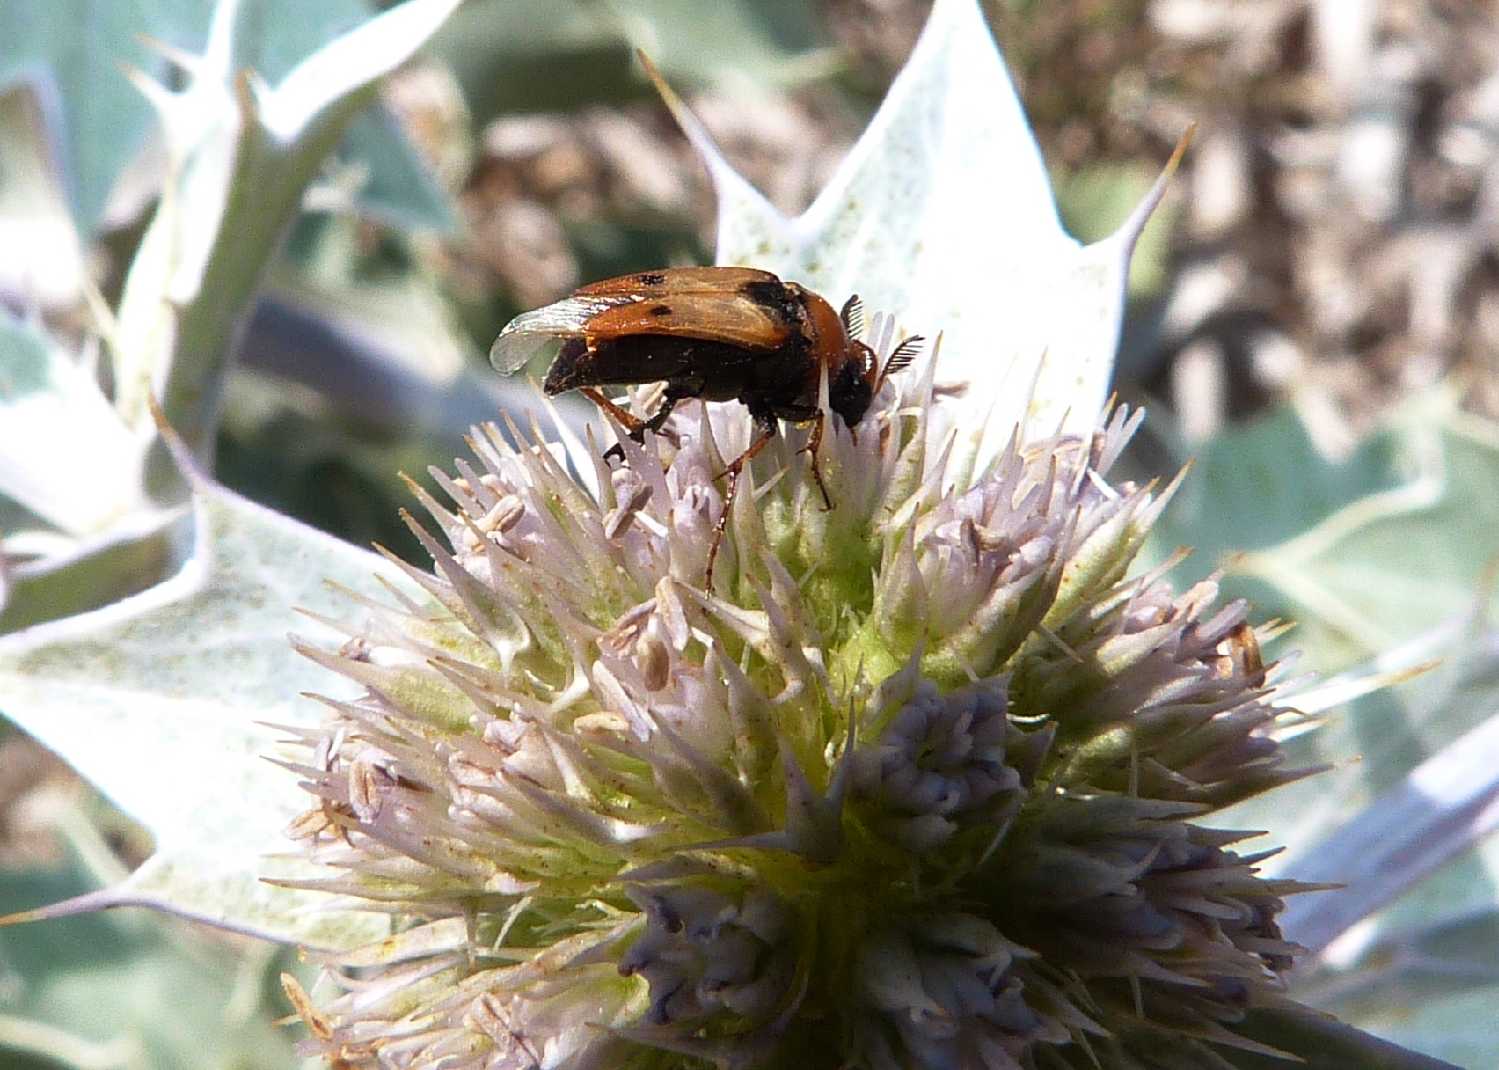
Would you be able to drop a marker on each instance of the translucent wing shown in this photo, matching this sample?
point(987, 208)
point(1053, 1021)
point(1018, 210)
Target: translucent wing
point(542, 331)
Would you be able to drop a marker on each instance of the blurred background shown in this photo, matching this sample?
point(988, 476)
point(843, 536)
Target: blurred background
point(1313, 319)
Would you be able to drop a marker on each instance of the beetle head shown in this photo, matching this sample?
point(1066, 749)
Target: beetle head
point(859, 378)
point(852, 387)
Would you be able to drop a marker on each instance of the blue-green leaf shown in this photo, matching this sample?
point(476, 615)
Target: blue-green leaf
point(163, 701)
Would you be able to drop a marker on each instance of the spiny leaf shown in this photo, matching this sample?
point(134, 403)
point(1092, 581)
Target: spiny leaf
point(161, 700)
point(943, 215)
point(71, 52)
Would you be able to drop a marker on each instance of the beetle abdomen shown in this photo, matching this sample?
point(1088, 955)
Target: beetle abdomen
point(651, 358)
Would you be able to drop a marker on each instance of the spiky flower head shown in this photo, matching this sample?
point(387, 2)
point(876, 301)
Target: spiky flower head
point(924, 780)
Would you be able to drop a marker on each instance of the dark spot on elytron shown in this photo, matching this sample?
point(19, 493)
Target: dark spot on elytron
point(765, 291)
point(661, 310)
point(773, 296)
point(651, 278)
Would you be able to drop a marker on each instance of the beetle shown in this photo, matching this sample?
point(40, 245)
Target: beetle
point(715, 333)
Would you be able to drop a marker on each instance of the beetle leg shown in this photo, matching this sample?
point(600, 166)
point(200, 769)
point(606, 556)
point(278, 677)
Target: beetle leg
point(675, 392)
point(814, 442)
point(631, 423)
point(767, 431)
point(634, 426)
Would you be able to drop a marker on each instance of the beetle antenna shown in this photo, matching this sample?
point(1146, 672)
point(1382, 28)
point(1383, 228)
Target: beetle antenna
point(853, 316)
point(900, 358)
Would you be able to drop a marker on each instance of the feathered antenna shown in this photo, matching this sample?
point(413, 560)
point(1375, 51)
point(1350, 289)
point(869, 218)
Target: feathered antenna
point(900, 357)
point(852, 316)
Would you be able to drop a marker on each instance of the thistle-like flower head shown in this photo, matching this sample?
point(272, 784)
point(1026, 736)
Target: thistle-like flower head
point(924, 780)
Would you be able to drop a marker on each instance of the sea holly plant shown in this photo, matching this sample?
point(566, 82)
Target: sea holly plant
point(926, 776)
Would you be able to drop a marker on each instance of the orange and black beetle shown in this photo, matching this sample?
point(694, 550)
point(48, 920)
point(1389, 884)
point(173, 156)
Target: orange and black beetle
point(716, 333)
